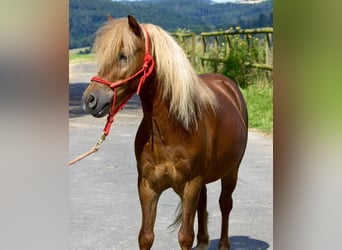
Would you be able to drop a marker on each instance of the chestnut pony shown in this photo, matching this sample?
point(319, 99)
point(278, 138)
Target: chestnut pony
point(193, 130)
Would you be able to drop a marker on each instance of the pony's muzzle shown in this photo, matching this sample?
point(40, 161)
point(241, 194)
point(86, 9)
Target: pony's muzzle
point(97, 104)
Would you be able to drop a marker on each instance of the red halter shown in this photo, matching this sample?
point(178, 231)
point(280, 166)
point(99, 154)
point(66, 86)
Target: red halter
point(146, 70)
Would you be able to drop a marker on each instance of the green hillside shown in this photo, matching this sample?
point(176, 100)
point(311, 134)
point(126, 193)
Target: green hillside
point(86, 16)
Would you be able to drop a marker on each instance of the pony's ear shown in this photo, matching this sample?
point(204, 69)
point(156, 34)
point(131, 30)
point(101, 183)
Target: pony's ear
point(109, 17)
point(134, 25)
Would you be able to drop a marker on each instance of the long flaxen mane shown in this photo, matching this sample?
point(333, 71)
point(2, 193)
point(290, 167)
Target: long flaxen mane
point(188, 96)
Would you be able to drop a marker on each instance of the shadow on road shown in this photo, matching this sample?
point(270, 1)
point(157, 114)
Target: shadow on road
point(75, 100)
point(241, 243)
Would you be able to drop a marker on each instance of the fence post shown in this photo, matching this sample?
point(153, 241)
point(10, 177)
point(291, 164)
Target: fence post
point(269, 54)
point(193, 51)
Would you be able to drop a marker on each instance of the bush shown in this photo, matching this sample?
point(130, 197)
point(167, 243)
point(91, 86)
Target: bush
point(245, 48)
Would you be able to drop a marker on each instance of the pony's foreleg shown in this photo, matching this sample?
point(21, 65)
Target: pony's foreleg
point(228, 184)
point(148, 200)
point(202, 218)
point(190, 198)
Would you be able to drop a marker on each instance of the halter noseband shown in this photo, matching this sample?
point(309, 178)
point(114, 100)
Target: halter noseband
point(146, 70)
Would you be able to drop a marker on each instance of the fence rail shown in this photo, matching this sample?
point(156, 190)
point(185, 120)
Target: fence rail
point(221, 42)
point(182, 38)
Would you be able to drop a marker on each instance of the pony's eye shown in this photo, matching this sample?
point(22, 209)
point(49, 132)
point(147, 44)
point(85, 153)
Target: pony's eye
point(122, 57)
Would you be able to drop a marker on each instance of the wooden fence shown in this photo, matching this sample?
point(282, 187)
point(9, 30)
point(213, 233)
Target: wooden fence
point(189, 47)
point(217, 46)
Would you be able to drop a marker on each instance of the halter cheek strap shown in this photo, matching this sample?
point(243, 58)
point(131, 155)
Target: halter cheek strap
point(146, 70)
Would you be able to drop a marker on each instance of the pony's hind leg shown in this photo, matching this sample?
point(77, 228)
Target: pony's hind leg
point(202, 218)
point(228, 184)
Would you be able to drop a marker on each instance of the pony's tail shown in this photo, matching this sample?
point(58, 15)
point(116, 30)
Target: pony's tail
point(177, 221)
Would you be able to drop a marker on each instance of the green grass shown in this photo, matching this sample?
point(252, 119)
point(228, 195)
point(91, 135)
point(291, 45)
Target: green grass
point(259, 99)
point(80, 55)
point(75, 58)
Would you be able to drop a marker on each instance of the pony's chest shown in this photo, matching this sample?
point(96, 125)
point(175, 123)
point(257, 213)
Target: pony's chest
point(164, 164)
point(167, 157)
point(163, 172)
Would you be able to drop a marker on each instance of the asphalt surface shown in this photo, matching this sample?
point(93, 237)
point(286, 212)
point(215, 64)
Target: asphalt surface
point(105, 210)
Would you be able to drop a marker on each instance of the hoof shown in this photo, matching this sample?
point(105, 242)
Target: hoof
point(224, 244)
point(202, 246)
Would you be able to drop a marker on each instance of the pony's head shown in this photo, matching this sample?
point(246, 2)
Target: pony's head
point(120, 52)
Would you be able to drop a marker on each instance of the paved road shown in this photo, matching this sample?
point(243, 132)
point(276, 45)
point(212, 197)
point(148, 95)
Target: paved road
point(105, 211)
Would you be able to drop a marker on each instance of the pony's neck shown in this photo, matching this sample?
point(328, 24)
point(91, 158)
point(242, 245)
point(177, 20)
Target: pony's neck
point(152, 102)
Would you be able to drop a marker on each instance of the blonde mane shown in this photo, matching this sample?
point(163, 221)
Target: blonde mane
point(188, 96)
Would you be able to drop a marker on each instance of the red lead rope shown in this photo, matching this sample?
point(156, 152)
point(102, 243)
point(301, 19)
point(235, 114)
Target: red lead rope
point(146, 70)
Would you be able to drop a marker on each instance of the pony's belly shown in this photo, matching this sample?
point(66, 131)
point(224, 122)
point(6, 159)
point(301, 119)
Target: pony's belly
point(226, 158)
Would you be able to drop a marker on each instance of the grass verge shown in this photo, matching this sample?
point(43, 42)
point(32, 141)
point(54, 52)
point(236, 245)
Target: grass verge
point(259, 99)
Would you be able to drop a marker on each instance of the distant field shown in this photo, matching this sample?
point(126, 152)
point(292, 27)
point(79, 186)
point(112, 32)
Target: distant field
point(80, 55)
